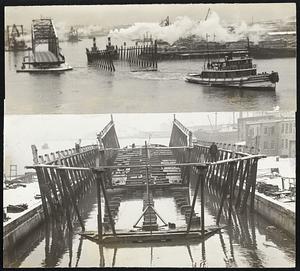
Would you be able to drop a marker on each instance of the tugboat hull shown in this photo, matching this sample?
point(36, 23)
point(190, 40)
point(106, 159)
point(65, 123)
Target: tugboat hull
point(253, 82)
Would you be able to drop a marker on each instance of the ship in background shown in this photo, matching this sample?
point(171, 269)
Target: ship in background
point(279, 41)
point(275, 45)
point(165, 22)
point(73, 35)
point(15, 38)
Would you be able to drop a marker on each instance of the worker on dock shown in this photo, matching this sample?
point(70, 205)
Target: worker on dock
point(213, 151)
point(77, 146)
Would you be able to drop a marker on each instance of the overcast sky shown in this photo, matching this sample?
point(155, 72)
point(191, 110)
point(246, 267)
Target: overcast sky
point(64, 126)
point(109, 15)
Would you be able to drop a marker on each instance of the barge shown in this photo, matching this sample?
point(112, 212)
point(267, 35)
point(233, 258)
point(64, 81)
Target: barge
point(44, 33)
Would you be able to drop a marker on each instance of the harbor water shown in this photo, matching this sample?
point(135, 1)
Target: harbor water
point(250, 241)
point(88, 89)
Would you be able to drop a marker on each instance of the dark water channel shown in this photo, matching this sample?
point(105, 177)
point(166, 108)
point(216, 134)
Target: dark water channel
point(248, 242)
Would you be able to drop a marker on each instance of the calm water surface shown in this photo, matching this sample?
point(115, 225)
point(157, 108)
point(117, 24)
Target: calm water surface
point(249, 242)
point(92, 90)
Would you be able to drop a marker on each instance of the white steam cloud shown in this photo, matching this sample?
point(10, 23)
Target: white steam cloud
point(185, 26)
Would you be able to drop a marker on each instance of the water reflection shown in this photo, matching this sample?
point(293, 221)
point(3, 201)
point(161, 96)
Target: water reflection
point(246, 242)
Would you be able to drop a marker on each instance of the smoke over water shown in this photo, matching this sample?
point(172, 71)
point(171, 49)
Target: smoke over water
point(184, 26)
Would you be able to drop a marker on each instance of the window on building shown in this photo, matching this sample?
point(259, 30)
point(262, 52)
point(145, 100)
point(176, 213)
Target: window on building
point(286, 144)
point(282, 128)
point(282, 143)
point(272, 130)
point(291, 128)
point(265, 144)
point(266, 131)
point(272, 144)
point(286, 128)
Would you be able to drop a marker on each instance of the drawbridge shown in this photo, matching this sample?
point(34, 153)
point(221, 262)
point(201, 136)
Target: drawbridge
point(145, 170)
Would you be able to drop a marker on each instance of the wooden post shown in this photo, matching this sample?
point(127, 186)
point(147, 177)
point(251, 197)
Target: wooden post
point(107, 205)
point(200, 169)
point(66, 200)
point(202, 181)
point(253, 176)
point(99, 215)
point(231, 187)
point(225, 192)
point(248, 187)
point(241, 184)
point(41, 186)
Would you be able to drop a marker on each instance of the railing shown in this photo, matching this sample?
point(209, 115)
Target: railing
point(231, 171)
point(233, 147)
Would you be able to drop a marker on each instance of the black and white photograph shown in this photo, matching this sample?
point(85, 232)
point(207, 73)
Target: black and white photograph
point(150, 58)
point(150, 135)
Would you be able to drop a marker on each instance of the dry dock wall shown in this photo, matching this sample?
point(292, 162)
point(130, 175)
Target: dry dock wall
point(276, 213)
point(20, 227)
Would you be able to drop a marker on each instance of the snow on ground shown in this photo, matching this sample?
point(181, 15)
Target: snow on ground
point(21, 195)
point(287, 168)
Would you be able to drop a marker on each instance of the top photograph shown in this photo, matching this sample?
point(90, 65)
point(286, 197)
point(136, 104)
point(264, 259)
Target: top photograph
point(93, 59)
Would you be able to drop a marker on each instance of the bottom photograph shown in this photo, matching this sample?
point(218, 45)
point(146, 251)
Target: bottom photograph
point(150, 190)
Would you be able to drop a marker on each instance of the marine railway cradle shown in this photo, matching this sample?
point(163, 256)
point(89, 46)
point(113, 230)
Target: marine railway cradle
point(64, 177)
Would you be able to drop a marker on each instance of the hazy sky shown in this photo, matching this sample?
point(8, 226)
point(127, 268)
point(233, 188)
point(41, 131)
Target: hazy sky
point(64, 126)
point(109, 15)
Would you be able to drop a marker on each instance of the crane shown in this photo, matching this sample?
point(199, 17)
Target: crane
point(210, 122)
point(207, 14)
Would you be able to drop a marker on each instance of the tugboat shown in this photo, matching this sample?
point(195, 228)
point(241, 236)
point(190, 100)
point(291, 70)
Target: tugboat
point(95, 54)
point(73, 35)
point(234, 73)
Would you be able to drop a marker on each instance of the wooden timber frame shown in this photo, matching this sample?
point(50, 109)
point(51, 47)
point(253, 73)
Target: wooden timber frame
point(233, 176)
point(234, 147)
point(43, 32)
point(60, 185)
point(182, 137)
point(139, 58)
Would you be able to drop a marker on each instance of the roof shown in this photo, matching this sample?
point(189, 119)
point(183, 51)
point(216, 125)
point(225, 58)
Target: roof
point(282, 33)
point(269, 121)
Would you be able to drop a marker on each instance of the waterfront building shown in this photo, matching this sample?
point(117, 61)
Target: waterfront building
point(272, 134)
